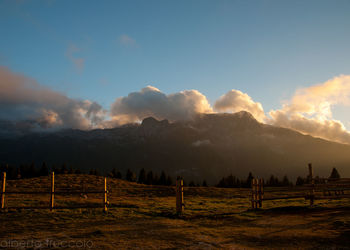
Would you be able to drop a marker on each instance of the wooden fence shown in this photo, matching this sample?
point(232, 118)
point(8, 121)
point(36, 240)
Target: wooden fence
point(51, 205)
point(179, 196)
point(105, 203)
point(326, 188)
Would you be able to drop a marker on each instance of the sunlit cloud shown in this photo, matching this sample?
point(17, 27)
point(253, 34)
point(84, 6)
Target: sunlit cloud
point(310, 110)
point(150, 101)
point(235, 101)
point(32, 106)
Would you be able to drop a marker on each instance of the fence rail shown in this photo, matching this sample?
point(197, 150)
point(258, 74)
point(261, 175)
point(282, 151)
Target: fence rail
point(56, 192)
point(52, 193)
point(333, 189)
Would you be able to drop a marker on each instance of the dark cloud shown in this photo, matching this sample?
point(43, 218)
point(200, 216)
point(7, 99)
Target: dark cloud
point(23, 99)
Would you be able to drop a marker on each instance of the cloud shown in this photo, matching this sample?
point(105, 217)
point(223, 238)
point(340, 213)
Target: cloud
point(23, 100)
point(71, 52)
point(235, 101)
point(25, 105)
point(150, 101)
point(127, 41)
point(310, 110)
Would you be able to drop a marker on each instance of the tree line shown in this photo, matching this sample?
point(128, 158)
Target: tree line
point(317, 180)
point(150, 178)
point(24, 171)
point(232, 181)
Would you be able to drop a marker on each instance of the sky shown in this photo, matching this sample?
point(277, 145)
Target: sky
point(110, 62)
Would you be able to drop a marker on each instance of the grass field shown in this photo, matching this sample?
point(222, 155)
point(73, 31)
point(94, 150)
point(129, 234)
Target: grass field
point(144, 217)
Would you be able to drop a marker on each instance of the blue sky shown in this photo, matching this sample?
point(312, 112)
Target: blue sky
point(101, 50)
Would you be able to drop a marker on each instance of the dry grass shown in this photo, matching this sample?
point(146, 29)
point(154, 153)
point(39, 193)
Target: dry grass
point(144, 217)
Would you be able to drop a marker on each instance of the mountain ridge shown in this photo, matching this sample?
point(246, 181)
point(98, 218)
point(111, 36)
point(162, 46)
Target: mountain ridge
point(207, 147)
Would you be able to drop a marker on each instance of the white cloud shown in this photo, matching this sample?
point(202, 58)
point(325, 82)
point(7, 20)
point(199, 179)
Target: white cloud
point(235, 101)
point(150, 101)
point(310, 110)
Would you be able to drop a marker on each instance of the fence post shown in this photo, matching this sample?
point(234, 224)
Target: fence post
point(105, 197)
point(255, 193)
point(311, 172)
point(252, 194)
point(52, 197)
point(260, 192)
point(3, 190)
point(311, 179)
point(179, 196)
point(256, 198)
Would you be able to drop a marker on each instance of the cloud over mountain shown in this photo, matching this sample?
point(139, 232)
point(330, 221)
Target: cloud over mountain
point(22, 99)
point(150, 101)
point(27, 105)
point(310, 110)
point(235, 101)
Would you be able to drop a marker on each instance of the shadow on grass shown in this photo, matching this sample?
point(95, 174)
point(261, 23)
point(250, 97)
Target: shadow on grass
point(298, 209)
point(121, 205)
point(275, 241)
point(190, 217)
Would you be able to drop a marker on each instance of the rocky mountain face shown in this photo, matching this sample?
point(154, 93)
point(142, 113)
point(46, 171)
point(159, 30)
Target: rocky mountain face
point(207, 147)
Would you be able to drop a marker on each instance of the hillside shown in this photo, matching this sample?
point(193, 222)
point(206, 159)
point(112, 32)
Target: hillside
point(144, 217)
point(207, 147)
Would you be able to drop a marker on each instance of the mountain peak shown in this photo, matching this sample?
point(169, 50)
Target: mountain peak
point(151, 122)
point(245, 115)
point(241, 120)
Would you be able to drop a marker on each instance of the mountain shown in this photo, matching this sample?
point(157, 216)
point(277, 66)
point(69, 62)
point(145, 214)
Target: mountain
point(208, 147)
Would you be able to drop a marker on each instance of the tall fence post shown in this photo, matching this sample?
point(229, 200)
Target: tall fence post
point(3, 190)
point(257, 192)
point(105, 201)
point(311, 172)
point(312, 181)
point(253, 193)
point(260, 192)
point(179, 196)
point(52, 192)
